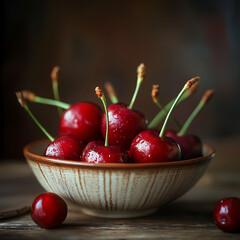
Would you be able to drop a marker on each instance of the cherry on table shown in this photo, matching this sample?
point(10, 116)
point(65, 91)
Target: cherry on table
point(49, 210)
point(227, 214)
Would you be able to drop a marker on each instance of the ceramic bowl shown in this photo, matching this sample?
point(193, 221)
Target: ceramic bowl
point(116, 190)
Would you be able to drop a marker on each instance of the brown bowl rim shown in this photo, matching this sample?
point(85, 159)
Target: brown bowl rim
point(38, 158)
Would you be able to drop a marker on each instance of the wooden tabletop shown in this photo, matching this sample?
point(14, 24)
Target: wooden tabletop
point(189, 217)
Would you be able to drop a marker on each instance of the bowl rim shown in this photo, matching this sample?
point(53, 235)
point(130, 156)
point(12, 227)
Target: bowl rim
point(38, 158)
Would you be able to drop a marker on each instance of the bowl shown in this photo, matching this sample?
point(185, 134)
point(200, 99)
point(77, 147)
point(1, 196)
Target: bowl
point(116, 190)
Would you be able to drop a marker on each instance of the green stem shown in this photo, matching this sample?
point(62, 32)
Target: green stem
point(139, 82)
point(114, 99)
point(159, 117)
point(39, 124)
point(56, 96)
point(51, 102)
point(107, 119)
point(160, 105)
point(165, 111)
point(190, 119)
point(171, 109)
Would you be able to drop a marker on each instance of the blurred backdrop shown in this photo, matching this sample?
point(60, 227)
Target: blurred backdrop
point(98, 41)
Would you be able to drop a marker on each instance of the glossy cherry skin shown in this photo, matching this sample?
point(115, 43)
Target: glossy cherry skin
point(227, 214)
point(65, 147)
point(148, 147)
point(191, 145)
point(124, 125)
point(96, 152)
point(82, 120)
point(49, 210)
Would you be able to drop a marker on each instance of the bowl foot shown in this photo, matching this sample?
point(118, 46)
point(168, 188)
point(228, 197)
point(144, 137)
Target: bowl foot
point(118, 214)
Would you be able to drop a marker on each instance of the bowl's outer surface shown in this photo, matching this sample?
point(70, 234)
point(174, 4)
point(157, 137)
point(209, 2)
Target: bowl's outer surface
point(115, 190)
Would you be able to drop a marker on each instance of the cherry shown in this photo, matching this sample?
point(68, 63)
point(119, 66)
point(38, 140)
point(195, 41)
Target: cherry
point(191, 145)
point(63, 147)
point(81, 120)
point(48, 210)
point(124, 122)
point(148, 147)
point(97, 151)
point(227, 214)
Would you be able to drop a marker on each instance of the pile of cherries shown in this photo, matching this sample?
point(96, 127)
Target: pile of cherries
point(118, 135)
point(128, 138)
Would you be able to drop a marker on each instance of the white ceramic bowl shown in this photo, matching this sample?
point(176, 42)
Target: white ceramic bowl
point(116, 190)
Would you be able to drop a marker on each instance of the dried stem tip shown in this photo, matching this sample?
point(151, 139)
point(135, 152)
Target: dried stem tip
point(28, 95)
point(192, 81)
point(55, 74)
point(192, 89)
point(155, 91)
point(98, 92)
point(141, 70)
point(110, 90)
point(207, 96)
point(21, 99)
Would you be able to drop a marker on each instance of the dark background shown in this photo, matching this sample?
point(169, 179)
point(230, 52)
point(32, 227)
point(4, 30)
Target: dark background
point(98, 41)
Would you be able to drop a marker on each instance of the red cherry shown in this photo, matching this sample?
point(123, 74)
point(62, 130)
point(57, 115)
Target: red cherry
point(49, 210)
point(96, 152)
point(227, 214)
point(148, 147)
point(83, 121)
point(124, 125)
point(65, 147)
point(191, 145)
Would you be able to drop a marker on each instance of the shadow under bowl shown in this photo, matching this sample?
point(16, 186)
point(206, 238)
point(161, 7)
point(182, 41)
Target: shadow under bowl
point(116, 190)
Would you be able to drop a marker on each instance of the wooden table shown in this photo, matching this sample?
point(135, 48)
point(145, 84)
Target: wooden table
point(189, 217)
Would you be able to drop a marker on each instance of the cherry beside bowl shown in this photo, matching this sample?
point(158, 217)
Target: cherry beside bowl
point(116, 190)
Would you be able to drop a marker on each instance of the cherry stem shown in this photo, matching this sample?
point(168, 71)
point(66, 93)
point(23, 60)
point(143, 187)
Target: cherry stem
point(141, 70)
point(102, 97)
point(155, 93)
point(52, 102)
point(39, 124)
point(24, 105)
point(55, 77)
point(186, 86)
point(206, 97)
point(159, 117)
point(34, 98)
point(111, 92)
